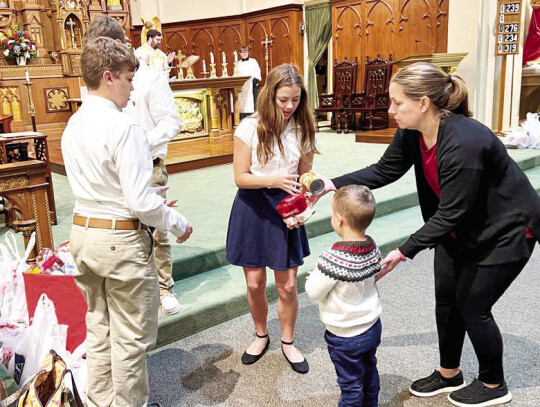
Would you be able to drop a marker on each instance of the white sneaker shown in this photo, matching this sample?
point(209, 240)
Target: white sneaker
point(169, 304)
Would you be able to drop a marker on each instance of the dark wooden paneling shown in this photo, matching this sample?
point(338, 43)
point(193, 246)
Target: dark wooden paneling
point(365, 28)
point(227, 34)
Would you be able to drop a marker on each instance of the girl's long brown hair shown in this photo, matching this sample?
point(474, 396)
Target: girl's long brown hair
point(271, 123)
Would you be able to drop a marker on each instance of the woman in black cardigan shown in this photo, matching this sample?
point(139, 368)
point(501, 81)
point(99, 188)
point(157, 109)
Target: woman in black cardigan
point(481, 215)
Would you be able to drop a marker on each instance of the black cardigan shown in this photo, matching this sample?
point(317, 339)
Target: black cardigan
point(486, 200)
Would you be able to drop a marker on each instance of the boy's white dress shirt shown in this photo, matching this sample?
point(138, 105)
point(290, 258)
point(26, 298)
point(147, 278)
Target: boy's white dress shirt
point(109, 168)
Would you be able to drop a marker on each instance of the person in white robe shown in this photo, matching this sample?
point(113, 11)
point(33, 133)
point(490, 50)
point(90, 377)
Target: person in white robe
point(248, 97)
point(149, 54)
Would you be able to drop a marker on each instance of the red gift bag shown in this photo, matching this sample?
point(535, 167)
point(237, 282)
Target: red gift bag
point(67, 298)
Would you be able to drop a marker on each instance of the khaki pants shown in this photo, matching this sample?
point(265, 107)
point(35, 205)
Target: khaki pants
point(116, 272)
point(162, 248)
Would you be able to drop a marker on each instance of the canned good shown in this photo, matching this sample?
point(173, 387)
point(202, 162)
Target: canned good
point(312, 183)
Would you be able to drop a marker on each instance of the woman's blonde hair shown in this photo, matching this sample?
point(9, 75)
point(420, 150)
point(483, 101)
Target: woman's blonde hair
point(271, 121)
point(447, 92)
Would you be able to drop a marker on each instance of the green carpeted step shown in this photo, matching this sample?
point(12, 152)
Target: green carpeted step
point(196, 256)
point(218, 295)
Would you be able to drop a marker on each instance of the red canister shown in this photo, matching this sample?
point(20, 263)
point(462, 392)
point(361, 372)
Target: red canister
point(292, 205)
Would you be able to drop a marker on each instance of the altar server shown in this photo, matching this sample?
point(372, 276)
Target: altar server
point(248, 97)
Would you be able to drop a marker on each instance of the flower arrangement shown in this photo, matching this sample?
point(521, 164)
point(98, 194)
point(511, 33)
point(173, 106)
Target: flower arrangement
point(18, 43)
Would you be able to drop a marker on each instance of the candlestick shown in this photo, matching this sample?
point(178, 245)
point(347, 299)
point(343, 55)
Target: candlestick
point(235, 73)
point(31, 107)
point(224, 57)
point(204, 65)
point(211, 57)
point(235, 56)
point(27, 75)
point(224, 73)
point(213, 70)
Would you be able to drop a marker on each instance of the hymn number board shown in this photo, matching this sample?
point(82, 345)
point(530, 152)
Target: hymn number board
point(509, 24)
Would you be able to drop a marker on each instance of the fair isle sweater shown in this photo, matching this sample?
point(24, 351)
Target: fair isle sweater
point(343, 283)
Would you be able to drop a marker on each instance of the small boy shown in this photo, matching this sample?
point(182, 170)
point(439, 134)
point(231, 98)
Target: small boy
point(109, 168)
point(343, 283)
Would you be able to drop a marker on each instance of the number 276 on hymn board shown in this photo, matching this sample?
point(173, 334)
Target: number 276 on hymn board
point(509, 24)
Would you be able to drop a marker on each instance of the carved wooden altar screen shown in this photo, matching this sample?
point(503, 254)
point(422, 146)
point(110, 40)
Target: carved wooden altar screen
point(282, 26)
point(365, 28)
point(57, 28)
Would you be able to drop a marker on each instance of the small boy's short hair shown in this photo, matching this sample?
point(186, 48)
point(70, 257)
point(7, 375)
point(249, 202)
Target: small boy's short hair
point(105, 54)
point(104, 26)
point(244, 48)
point(357, 206)
point(152, 34)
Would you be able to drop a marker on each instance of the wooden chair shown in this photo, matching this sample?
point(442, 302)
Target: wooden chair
point(374, 102)
point(338, 102)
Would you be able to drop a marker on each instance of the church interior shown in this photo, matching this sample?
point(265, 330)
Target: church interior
point(346, 50)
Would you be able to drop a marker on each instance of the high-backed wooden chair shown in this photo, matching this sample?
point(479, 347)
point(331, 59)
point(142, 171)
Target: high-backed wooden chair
point(344, 86)
point(374, 102)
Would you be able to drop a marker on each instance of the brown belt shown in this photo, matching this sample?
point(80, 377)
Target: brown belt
point(156, 161)
point(120, 224)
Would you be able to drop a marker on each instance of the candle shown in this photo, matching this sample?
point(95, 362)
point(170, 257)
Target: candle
point(224, 58)
point(27, 75)
point(211, 57)
point(204, 65)
point(235, 56)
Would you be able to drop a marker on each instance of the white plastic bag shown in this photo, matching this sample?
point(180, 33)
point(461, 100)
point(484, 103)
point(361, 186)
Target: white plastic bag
point(42, 335)
point(527, 136)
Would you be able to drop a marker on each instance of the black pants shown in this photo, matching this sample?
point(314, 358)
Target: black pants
point(465, 294)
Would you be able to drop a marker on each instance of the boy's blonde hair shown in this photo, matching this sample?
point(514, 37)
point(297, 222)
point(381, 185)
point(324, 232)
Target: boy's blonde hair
point(357, 206)
point(105, 54)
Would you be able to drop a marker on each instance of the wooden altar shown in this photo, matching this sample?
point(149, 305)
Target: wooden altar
point(530, 91)
point(218, 102)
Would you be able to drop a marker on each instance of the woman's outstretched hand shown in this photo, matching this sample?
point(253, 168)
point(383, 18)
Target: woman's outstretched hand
point(328, 186)
point(391, 260)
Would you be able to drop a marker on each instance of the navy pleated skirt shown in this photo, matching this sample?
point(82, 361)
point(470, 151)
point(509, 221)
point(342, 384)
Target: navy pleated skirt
point(257, 235)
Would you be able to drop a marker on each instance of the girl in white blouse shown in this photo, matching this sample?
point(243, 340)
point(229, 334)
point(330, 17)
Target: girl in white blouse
point(272, 148)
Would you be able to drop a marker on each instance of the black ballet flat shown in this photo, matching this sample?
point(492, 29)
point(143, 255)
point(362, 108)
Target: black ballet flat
point(248, 359)
point(299, 367)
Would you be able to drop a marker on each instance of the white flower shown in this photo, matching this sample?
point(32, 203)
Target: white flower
point(6, 52)
point(27, 54)
point(10, 41)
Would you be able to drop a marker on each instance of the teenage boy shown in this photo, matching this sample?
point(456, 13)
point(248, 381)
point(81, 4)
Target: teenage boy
point(109, 168)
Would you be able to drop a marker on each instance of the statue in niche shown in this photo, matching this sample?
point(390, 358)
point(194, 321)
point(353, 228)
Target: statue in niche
point(154, 24)
point(114, 5)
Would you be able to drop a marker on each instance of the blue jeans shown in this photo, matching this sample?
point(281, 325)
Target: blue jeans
point(356, 366)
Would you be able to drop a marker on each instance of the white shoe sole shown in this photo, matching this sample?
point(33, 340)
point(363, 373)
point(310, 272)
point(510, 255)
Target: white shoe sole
point(170, 312)
point(434, 393)
point(494, 402)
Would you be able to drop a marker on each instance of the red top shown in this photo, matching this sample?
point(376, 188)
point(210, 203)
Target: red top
point(429, 165)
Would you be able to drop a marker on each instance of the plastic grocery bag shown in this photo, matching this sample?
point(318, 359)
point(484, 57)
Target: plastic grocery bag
point(41, 336)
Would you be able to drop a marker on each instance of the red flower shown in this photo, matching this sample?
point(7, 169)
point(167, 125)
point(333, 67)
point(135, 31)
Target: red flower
point(9, 46)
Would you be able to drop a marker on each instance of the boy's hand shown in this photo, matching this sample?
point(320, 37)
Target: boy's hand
point(391, 260)
point(161, 190)
point(186, 235)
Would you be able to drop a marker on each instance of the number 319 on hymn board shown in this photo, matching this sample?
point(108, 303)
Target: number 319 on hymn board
point(509, 24)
